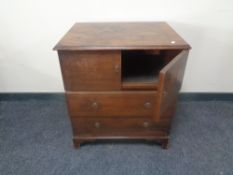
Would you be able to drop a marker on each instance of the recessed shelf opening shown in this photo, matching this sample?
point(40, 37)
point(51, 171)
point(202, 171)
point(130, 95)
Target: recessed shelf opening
point(140, 69)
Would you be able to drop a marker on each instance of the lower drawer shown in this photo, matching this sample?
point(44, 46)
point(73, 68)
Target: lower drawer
point(107, 126)
point(112, 104)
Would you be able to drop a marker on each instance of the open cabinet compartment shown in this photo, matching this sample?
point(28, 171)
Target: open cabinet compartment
point(141, 68)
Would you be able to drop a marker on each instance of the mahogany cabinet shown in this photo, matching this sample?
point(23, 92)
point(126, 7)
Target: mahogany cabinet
point(122, 79)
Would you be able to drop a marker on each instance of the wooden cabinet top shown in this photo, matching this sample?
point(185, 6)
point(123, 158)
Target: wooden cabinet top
point(121, 36)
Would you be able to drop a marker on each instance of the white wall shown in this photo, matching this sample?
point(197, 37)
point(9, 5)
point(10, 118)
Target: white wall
point(30, 28)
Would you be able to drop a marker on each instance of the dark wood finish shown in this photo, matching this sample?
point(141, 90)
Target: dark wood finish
point(139, 86)
point(121, 36)
point(111, 104)
point(148, 135)
point(171, 77)
point(87, 71)
point(121, 125)
point(165, 143)
point(122, 80)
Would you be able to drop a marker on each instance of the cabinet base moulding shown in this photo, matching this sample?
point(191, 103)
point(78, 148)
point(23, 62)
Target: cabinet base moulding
point(163, 141)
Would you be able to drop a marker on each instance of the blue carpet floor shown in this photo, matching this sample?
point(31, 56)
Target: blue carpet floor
point(35, 139)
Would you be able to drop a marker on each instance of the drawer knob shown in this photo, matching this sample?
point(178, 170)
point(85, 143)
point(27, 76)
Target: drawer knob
point(97, 124)
point(147, 105)
point(94, 105)
point(145, 124)
point(117, 68)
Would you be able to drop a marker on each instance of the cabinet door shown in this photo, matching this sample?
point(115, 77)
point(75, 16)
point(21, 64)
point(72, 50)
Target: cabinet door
point(170, 81)
point(91, 70)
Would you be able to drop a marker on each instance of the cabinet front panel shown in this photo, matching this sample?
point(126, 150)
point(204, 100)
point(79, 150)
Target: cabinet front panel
point(91, 70)
point(111, 104)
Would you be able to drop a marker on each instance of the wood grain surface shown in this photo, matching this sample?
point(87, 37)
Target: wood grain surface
point(121, 36)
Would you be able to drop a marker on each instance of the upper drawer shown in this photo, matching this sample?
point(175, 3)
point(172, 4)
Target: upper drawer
point(91, 71)
point(111, 104)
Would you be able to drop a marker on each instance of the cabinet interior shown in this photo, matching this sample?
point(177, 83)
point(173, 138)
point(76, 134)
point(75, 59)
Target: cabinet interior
point(140, 68)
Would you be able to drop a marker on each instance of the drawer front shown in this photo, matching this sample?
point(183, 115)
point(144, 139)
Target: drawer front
point(111, 104)
point(109, 126)
point(91, 70)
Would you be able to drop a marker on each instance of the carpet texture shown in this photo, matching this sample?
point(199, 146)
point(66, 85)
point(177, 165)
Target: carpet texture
point(35, 139)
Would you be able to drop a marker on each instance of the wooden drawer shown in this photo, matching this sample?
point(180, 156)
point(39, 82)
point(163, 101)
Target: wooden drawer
point(111, 104)
point(91, 71)
point(116, 126)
